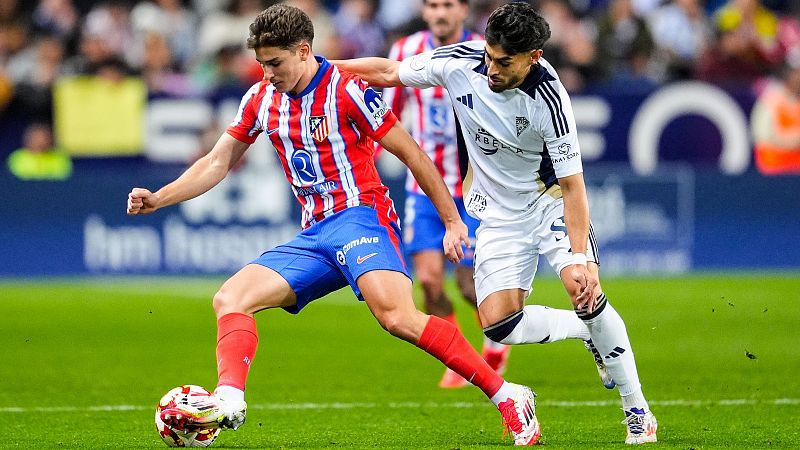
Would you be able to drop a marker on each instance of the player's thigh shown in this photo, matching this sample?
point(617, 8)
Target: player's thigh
point(252, 289)
point(505, 258)
point(388, 294)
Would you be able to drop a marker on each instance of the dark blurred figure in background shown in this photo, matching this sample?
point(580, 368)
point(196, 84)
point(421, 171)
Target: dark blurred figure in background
point(776, 123)
point(38, 159)
point(624, 47)
point(571, 48)
point(682, 31)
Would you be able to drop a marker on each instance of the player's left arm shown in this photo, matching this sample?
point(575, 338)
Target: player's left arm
point(399, 143)
point(576, 218)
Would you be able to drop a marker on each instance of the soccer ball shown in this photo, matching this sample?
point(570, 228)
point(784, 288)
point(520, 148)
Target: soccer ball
point(179, 438)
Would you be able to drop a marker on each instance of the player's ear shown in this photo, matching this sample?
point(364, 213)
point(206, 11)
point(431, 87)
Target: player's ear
point(535, 55)
point(304, 49)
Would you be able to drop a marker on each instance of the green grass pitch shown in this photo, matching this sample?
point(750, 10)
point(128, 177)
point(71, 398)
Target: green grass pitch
point(84, 362)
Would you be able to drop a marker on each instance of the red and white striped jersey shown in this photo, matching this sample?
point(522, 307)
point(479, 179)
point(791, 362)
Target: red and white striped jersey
point(431, 121)
point(324, 140)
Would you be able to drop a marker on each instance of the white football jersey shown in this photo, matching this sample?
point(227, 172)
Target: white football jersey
point(519, 141)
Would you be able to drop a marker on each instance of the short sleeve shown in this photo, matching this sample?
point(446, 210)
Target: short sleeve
point(422, 71)
point(246, 126)
point(367, 110)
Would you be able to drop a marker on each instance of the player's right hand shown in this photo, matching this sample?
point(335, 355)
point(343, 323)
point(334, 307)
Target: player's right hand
point(141, 201)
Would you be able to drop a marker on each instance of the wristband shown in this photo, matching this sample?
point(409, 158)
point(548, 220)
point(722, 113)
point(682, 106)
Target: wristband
point(579, 258)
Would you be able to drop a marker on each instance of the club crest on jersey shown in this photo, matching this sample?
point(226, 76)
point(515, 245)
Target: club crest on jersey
point(522, 124)
point(319, 127)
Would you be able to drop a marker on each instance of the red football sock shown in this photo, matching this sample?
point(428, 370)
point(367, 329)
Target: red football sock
point(237, 340)
point(442, 339)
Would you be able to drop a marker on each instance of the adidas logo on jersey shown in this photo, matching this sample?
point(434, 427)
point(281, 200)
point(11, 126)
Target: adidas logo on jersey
point(466, 100)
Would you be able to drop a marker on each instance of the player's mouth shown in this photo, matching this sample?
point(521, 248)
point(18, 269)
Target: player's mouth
point(494, 82)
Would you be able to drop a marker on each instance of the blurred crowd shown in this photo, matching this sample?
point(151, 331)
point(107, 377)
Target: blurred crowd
point(196, 47)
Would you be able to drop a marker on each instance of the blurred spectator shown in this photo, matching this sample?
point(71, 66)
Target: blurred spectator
point(624, 46)
point(159, 70)
point(570, 48)
point(227, 28)
point(106, 37)
point(360, 34)
point(775, 123)
point(393, 14)
point(34, 71)
point(38, 159)
point(731, 62)
point(230, 70)
point(57, 17)
point(326, 42)
point(170, 20)
point(681, 31)
point(755, 27)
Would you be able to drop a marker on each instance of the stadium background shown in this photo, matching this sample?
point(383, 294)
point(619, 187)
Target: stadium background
point(134, 91)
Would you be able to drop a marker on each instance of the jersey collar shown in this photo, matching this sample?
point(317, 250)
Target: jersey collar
point(536, 76)
point(324, 65)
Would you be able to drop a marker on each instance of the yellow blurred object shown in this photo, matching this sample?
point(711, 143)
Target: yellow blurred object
point(52, 164)
point(95, 116)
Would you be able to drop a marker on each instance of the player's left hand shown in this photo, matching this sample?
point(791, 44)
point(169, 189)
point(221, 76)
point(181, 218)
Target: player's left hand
point(455, 236)
point(588, 283)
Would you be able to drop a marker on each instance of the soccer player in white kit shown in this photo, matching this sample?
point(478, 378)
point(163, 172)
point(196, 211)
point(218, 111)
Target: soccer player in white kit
point(526, 186)
point(429, 116)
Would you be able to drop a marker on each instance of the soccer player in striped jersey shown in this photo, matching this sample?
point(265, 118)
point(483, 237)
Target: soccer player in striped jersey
point(322, 123)
point(526, 186)
point(429, 115)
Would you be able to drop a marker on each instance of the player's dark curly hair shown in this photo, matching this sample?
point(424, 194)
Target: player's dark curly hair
point(518, 28)
point(280, 26)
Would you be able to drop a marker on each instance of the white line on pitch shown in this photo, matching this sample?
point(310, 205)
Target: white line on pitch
point(410, 405)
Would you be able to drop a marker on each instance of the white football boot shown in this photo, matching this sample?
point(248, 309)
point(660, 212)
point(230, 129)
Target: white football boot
point(642, 426)
point(519, 416)
point(202, 412)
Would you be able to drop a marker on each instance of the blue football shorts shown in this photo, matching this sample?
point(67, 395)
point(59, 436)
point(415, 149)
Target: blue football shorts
point(334, 252)
point(423, 229)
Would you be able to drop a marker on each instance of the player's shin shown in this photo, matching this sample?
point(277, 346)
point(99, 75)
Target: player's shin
point(444, 342)
point(610, 337)
point(536, 324)
point(237, 340)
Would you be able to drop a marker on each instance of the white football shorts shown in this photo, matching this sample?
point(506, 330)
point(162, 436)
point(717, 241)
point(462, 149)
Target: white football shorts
point(508, 247)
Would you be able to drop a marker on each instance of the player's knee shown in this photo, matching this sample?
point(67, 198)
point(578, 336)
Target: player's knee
point(502, 332)
point(225, 303)
point(396, 323)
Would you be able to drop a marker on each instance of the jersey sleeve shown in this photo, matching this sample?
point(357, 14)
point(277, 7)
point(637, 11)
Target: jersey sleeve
point(246, 126)
point(557, 125)
point(422, 70)
point(367, 110)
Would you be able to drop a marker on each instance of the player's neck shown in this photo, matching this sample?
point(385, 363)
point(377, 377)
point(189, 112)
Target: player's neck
point(454, 38)
point(312, 66)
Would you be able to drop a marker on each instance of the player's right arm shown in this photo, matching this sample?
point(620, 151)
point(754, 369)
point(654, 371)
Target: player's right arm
point(203, 175)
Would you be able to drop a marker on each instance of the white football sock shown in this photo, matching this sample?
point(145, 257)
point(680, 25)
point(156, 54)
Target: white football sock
point(611, 339)
point(229, 393)
point(541, 324)
point(506, 390)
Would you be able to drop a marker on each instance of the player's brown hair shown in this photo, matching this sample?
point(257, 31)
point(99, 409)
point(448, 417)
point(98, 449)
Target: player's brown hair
point(280, 26)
